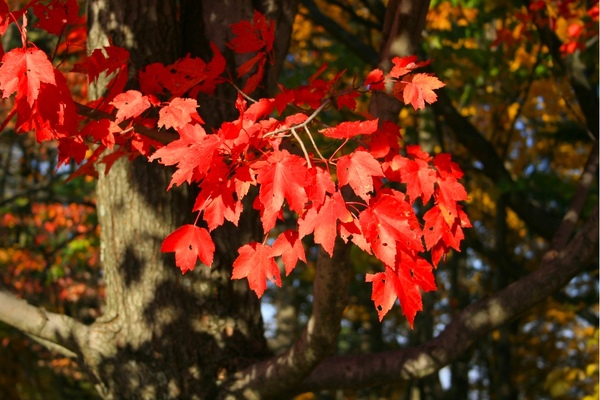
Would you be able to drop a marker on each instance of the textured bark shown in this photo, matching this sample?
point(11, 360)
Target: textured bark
point(163, 334)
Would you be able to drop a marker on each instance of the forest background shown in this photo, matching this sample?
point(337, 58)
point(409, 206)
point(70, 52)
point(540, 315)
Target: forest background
point(519, 113)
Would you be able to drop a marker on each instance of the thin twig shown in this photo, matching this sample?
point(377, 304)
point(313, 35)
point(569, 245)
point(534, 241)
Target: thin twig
point(302, 146)
point(315, 145)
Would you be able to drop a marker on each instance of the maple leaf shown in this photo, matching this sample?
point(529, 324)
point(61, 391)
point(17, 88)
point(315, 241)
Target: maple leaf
point(441, 236)
point(324, 221)
point(193, 153)
point(351, 231)
point(358, 169)
point(189, 242)
point(109, 59)
point(216, 197)
point(389, 223)
point(385, 141)
point(347, 100)
point(349, 129)
point(319, 184)
point(102, 130)
point(404, 65)
point(418, 89)
point(178, 113)
point(5, 17)
point(446, 167)
point(256, 262)
point(375, 80)
point(282, 177)
point(289, 246)
point(417, 175)
point(53, 17)
point(253, 36)
point(448, 192)
point(72, 147)
point(130, 104)
point(395, 284)
point(23, 71)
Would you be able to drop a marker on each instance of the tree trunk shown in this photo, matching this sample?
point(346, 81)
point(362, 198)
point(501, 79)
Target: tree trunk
point(164, 334)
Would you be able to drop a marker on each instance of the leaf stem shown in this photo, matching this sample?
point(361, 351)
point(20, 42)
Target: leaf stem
point(302, 146)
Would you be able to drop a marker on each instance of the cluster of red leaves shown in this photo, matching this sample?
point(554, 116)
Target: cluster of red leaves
point(354, 194)
point(580, 31)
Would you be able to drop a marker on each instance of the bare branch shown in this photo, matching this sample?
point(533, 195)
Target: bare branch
point(355, 44)
point(572, 216)
point(272, 377)
point(57, 332)
point(478, 319)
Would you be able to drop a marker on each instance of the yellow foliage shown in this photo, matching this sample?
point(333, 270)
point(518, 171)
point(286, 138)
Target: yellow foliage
point(522, 59)
point(441, 17)
point(305, 396)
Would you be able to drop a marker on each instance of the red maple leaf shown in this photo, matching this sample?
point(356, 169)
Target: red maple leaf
point(319, 184)
point(351, 231)
point(448, 192)
point(53, 17)
point(385, 141)
point(289, 246)
point(253, 36)
point(178, 113)
point(282, 177)
point(110, 59)
point(418, 89)
point(346, 130)
point(404, 65)
point(446, 167)
point(347, 100)
point(395, 284)
point(441, 236)
point(130, 105)
point(216, 197)
point(102, 131)
point(323, 221)
point(255, 262)
point(23, 71)
point(193, 153)
point(375, 80)
point(358, 169)
point(389, 224)
point(189, 243)
point(6, 18)
point(418, 176)
point(189, 74)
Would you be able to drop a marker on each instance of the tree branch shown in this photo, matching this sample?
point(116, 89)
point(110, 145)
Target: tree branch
point(588, 176)
point(473, 322)
point(356, 45)
point(270, 378)
point(57, 332)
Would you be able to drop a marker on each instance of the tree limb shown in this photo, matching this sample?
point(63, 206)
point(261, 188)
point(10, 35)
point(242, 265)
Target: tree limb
point(556, 270)
point(356, 45)
point(57, 332)
point(588, 176)
point(270, 378)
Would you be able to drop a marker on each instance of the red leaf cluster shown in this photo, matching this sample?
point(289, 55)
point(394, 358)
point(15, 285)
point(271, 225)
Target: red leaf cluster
point(351, 192)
